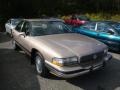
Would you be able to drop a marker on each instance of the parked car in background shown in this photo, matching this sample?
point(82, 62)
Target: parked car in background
point(11, 23)
point(105, 31)
point(77, 20)
point(54, 48)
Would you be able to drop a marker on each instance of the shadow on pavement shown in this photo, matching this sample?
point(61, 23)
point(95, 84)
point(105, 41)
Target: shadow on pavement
point(16, 73)
point(108, 79)
point(4, 38)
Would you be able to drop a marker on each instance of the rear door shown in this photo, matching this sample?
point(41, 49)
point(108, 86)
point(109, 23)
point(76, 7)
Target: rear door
point(25, 38)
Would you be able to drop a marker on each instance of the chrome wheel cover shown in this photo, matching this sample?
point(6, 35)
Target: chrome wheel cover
point(38, 64)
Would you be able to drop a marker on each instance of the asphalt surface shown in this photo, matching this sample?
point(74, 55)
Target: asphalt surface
point(16, 73)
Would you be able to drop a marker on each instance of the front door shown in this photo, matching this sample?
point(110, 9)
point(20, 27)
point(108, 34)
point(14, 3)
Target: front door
point(25, 37)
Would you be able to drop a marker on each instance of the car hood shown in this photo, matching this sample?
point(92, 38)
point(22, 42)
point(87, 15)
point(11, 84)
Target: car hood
point(66, 45)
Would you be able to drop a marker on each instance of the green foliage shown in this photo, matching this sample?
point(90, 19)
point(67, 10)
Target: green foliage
point(103, 16)
point(96, 9)
point(95, 17)
point(115, 17)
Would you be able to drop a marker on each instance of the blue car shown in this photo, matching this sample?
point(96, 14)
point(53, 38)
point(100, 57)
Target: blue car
point(107, 32)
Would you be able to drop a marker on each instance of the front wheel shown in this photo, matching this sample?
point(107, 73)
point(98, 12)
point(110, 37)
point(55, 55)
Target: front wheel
point(40, 66)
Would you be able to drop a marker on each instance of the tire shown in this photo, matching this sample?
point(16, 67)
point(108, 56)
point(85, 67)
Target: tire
point(40, 66)
point(15, 46)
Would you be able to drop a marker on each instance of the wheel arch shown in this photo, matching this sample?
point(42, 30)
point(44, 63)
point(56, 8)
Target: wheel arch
point(33, 54)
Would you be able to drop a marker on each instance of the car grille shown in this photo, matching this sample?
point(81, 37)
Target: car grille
point(92, 59)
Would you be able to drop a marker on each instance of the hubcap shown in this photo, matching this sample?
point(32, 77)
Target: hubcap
point(38, 64)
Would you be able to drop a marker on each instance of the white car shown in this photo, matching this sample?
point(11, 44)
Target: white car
point(11, 24)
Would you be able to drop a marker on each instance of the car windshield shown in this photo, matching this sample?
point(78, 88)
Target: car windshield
point(40, 28)
point(15, 22)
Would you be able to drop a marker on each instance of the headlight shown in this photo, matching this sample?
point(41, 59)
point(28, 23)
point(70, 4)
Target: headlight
point(65, 61)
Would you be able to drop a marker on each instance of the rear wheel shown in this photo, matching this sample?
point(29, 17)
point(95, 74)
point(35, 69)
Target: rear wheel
point(40, 66)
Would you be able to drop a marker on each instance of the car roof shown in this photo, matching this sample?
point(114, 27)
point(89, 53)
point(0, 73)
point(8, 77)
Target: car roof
point(15, 19)
point(51, 19)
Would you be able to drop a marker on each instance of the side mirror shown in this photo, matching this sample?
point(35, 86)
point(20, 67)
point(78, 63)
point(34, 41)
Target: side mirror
point(22, 34)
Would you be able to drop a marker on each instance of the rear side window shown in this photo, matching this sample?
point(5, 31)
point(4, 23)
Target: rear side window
point(19, 26)
point(101, 27)
point(90, 26)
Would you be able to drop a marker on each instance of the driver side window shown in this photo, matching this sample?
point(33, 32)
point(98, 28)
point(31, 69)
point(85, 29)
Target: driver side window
point(26, 28)
point(19, 26)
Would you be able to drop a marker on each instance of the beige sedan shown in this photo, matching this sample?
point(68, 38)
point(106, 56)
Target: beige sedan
point(54, 48)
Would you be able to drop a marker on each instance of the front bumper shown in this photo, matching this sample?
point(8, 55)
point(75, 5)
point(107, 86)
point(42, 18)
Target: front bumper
point(77, 72)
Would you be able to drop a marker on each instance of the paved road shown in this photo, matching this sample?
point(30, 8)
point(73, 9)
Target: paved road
point(16, 73)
